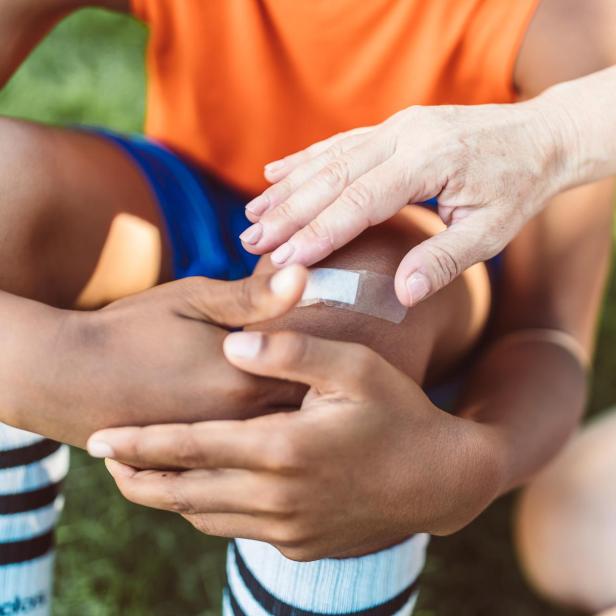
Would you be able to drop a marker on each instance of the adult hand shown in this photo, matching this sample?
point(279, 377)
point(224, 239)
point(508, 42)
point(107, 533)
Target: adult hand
point(150, 358)
point(492, 167)
point(365, 462)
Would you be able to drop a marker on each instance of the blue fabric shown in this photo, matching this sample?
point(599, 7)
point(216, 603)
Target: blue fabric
point(203, 216)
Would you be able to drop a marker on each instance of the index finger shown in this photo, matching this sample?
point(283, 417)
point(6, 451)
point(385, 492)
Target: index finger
point(371, 199)
point(250, 444)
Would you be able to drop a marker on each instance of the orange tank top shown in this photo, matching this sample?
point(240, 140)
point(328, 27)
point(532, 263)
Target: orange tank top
point(234, 84)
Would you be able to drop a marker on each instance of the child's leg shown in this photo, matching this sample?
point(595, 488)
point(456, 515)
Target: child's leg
point(432, 338)
point(79, 222)
point(66, 198)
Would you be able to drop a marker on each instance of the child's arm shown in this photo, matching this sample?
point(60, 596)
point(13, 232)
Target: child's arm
point(529, 388)
point(153, 357)
point(23, 23)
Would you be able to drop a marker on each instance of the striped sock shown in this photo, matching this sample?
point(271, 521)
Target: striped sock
point(31, 471)
point(262, 582)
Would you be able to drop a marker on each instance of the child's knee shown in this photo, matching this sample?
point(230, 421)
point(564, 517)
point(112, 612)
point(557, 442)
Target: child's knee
point(410, 344)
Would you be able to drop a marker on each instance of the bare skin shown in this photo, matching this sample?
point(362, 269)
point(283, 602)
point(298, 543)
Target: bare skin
point(507, 427)
point(360, 420)
point(433, 338)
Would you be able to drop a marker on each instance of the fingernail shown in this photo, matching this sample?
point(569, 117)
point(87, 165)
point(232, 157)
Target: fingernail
point(418, 287)
point(272, 167)
point(100, 449)
point(253, 234)
point(258, 205)
point(283, 282)
point(282, 254)
point(243, 344)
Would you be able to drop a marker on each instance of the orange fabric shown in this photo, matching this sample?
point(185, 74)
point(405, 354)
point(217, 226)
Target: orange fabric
point(235, 84)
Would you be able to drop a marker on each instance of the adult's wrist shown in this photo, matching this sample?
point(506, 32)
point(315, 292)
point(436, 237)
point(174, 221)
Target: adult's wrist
point(580, 114)
point(557, 134)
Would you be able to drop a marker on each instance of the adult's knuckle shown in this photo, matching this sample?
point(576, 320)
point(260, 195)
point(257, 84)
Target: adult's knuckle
point(282, 188)
point(337, 148)
point(446, 265)
point(336, 173)
point(358, 196)
point(320, 234)
point(286, 214)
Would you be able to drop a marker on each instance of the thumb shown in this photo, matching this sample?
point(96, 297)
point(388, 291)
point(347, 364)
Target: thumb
point(327, 365)
point(434, 263)
point(243, 302)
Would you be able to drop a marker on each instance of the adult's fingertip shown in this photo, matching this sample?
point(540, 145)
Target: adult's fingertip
point(418, 288)
point(272, 171)
point(282, 254)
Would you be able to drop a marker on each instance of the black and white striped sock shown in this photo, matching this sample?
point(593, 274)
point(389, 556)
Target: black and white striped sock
point(31, 472)
point(262, 582)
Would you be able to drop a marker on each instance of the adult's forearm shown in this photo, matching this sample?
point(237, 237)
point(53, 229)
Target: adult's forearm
point(582, 116)
point(531, 392)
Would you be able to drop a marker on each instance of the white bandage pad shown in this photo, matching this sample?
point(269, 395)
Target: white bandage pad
point(354, 290)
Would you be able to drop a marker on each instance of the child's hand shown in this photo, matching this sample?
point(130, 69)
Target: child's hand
point(492, 167)
point(366, 461)
point(150, 358)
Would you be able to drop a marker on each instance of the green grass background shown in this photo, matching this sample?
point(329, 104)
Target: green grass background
point(116, 558)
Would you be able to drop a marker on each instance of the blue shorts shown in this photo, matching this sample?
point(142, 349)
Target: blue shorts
point(203, 216)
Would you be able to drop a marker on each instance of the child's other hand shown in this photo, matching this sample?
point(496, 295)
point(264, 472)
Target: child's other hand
point(365, 462)
point(153, 357)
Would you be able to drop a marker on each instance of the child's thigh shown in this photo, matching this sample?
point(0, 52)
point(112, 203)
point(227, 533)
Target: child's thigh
point(79, 222)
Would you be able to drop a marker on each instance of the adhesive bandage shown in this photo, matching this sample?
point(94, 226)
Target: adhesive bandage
point(355, 290)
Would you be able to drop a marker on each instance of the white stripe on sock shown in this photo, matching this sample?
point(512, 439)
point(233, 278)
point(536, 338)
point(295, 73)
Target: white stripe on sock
point(28, 524)
point(242, 595)
point(408, 609)
point(36, 475)
point(12, 438)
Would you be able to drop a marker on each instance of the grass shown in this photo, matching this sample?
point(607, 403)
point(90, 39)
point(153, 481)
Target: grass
point(115, 558)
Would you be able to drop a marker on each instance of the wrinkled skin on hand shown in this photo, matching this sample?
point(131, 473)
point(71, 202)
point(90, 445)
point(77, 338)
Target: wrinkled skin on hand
point(492, 168)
